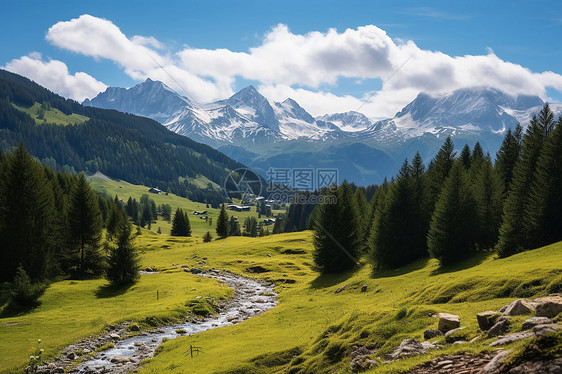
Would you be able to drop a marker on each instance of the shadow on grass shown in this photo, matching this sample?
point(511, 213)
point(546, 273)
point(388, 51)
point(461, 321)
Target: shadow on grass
point(386, 273)
point(468, 263)
point(15, 310)
point(107, 291)
point(329, 280)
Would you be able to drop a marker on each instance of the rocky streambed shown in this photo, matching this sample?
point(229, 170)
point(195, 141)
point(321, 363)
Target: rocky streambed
point(250, 298)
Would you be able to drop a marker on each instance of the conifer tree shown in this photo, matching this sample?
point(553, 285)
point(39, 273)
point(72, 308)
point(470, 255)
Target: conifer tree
point(85, 224)
point(222, 223)
point(515, 229)
point(477, 153)
point(123, 263)
point(234, 226)
point(207, 237)
point(466, 157)
point(543, 211)
point(362, 213)
point(180, 224)
point(438, 171)
point(451, 235)
point(336, 246)
point(26, 216)
point(507, 156)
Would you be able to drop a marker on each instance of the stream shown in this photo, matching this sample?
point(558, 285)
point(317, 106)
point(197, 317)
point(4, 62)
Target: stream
point(250, 299)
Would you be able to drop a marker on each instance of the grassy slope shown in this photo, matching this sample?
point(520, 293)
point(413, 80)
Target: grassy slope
point(198, 226)
point(325, 325)
point(74, 309)
point(53, 115)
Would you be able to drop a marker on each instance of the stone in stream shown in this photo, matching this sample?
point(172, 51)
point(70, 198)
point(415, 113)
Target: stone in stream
point(448, 322)
point(114, 336)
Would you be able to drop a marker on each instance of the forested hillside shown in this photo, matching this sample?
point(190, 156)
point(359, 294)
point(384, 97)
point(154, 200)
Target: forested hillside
point(120, 145)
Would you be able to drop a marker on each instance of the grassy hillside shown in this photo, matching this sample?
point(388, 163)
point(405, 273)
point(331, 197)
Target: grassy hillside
point(323, 325)
point(311, 320)
point(53, 115)
point(198, 226)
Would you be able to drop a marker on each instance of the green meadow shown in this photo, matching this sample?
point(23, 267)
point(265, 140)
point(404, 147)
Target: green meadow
point(311, 330)
point(52, 115)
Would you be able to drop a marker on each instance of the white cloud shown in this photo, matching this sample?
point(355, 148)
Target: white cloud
point(54, 75)
point(285, 60)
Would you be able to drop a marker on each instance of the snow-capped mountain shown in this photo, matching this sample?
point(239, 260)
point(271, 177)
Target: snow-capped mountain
point(348, 121)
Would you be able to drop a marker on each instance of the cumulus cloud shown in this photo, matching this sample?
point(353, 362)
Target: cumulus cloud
point(297, 65)
point(54, 75)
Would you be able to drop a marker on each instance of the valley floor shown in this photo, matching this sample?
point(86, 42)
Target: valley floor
point(313, 329)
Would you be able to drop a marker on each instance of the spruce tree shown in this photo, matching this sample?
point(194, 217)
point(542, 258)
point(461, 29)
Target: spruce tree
point(466, 157)
point(336, 247)
point(543, 211)
point(180, 224)
point(85, 225)
point(362, 216)
point(222, 223)
point(26, 216)
point(207, 237)
point(515, 230)
point(438, 171)
point(123, 263)
point(234, 226)
point(451, 235)
point(507, 157)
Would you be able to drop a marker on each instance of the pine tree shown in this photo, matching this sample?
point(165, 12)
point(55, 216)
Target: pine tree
point(207, 237)
point(123, 263)
point(438, 171)
point(515, 230)
point(466, 157)
point(180, 224)
point(336, 246)
point(451, 235)
point(507, 157)
point(234, 226)
point(85, 224)
point(362, 216)
point(26, 216)
point(542, 212)
point(222, 223)
point(477, 153)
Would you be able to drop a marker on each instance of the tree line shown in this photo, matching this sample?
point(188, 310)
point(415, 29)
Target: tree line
point(51, 225)
point(451, 209)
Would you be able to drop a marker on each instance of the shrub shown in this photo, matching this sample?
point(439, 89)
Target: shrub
point(24, 293)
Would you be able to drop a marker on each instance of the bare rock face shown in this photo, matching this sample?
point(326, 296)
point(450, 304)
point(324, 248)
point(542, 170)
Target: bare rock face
point(448, 322)
point(494, 365)
point(535, 321)
point(549, 306)
point(411, 347)
point(500, 327)
point(518, 308)
point(487, 319)
point(541, 330)
point(516, 336)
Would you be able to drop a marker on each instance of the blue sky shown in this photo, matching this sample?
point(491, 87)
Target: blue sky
point(193, 35)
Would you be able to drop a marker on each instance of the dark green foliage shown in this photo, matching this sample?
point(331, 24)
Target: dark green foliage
point(24, 293)
point(142, 145)
point(397, 236)
point(543, 212)
point(438, 171)
point(223, 228)
point(85, 225)
point(515, 230)
point(180, 224)
point(507, 156)
point(278, 226)
point(465, 157)
point(251, 226)
point(123, 262)
point(336, 246)
point(26, 212)
point(207, 237)
point(362, 214)
point(234, 226)
point(454, 223)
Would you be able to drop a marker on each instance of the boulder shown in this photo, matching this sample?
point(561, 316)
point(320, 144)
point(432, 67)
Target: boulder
point(114, 336)
point(71, 356)
point(362, 363)
point(500, 327)
point(134, 327)
point(408, 348)
point(534, 321)
point(448, 322)
point(549, 306)
point(196, 271)
point(487, 319)
point(364, 288)
point(516, 336)
point(503, 308)
point(449, 335)
point(540, 330)
point(149, 269)
point(120, 360)
point(340, 289)
point(431, 333)
point(518, 308)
